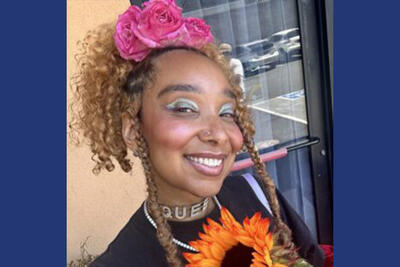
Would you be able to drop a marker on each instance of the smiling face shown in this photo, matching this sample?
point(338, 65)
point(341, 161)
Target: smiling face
point(187, 122)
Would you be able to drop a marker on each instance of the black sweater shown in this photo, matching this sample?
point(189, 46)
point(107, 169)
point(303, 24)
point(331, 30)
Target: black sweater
point(137, 246)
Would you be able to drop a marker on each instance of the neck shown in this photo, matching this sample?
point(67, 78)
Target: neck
point(185, 213)
point(171, 195)
point(174, 199)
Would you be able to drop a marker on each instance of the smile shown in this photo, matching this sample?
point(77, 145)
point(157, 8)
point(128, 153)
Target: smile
point(206, 161)
point(208, 164)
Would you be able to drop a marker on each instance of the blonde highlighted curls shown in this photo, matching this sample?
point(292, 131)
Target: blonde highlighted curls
point(98, 102)
point(107, 87)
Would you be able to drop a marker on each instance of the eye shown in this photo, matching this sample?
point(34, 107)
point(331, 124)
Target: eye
point(227, 111)
point(183, 106)
point(183, 110)
point(227, 115)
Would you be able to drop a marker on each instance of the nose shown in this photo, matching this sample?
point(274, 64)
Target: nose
point(213, 131)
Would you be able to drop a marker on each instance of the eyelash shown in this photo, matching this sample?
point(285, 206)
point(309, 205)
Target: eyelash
point(184, 109)
point(227, 114)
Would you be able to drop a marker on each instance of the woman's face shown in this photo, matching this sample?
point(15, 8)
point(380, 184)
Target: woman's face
point(187, 121)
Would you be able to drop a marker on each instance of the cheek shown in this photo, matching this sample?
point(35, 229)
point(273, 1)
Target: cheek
point(168, 134)
point(236, 138)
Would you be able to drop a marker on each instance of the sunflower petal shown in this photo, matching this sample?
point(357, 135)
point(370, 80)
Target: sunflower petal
point(224, 236)
point(259, 242)
point(258, 249)
point(206, 237)
point(257, 257)
point(267, 257)
point(245, 240)
point(205, 228)
point(269, 240)
point(204, 248)
point(262, 228)
point(213, 224)
point(209, 263)
point(193, 257)
point(257, 264)
point(228, 220)
point(256, 217)
point(246, 224)
point(217, 251)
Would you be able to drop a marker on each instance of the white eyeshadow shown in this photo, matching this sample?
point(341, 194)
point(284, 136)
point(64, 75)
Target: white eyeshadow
point(226, 107)
point(183, 103)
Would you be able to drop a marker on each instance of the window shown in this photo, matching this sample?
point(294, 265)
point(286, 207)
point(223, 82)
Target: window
point(265, 38)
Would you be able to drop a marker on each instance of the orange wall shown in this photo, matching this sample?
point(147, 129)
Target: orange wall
point(97, 206)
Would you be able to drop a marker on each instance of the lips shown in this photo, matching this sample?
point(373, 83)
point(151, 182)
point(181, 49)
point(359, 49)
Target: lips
point(210, 164)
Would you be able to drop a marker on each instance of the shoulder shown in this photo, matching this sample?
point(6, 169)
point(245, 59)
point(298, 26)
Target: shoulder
point(237, 195)
point(135, 245)
point(235, 186)
point(302, 237)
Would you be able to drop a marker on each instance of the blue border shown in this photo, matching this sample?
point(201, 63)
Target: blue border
point(33, 133)
point(366, 155)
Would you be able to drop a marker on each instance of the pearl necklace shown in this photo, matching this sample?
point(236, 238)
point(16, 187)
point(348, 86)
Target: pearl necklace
point(176, 241)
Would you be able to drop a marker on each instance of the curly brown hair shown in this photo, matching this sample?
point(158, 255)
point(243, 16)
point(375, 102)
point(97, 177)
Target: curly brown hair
point(107, 88)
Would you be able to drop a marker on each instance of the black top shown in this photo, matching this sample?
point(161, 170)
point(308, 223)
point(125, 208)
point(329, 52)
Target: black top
point(137, 246)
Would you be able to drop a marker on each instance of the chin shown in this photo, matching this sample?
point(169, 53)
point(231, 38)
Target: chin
point(207, 190)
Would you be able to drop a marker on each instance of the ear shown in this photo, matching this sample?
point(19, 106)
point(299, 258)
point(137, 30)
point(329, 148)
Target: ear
point(129, 131)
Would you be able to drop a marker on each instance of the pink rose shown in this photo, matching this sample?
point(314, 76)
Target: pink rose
point(160, 24)
point(166, 1)
point(198, 32)
point(128, 45)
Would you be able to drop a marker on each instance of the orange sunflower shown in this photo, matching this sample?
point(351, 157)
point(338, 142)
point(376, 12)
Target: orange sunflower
point(234, 244)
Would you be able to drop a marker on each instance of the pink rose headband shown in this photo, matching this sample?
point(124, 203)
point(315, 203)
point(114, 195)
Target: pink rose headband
point(159, 24)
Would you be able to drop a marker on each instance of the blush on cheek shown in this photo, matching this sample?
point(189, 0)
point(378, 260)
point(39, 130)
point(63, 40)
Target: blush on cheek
point(173, 134)
point(236, 139)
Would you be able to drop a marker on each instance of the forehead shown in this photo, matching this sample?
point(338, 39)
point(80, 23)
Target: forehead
point(188, 67)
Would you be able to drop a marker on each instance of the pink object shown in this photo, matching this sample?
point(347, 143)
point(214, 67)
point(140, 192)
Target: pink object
point(273, 155)
point(328, 251)
point(127, 43)
point(198, 32)
point(159, 24)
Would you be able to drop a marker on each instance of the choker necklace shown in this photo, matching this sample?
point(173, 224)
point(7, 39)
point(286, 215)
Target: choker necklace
point(176, 241)
point(183, 212)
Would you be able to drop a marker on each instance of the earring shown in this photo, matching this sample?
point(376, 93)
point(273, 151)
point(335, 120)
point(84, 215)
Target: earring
point(206, 132)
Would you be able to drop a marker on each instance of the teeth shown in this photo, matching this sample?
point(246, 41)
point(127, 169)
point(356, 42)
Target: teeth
point(206, 161)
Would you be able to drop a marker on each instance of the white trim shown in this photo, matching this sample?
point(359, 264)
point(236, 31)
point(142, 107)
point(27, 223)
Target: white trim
point(257, 190)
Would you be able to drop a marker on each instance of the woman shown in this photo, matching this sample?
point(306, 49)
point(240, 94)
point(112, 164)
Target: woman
point(157, 86)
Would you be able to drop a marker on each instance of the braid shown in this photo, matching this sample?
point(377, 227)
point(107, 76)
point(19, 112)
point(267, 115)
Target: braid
point(164, 233)
point(247, 128)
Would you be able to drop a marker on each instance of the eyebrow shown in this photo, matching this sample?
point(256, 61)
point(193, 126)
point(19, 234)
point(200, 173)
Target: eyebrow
point(178, 88)
point(228, 92)
point(189, 88)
